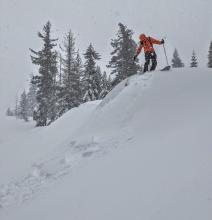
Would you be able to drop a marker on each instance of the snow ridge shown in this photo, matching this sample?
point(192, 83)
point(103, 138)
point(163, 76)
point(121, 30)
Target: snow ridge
point(62, 163)
point(144, 152)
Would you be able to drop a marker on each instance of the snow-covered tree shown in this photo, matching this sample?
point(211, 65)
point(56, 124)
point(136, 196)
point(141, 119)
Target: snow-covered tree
point(176, 61)
point(122, 63)
point(31, 98)
point(210, 56)
point(45, 81)
point(105, 85)
point(90, 75)
point(16, 111)
point(78, 69)
point(98, 80)
point(9, 112)
point(194, 62)
point(60, 69)
point(70, 94)
point(23, 105)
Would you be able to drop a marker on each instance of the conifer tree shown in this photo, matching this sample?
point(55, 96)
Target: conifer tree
point(68, 62)
point(70, 95)
point(60, 69)
point(45, 81)
point(98, 80)
point(31, 98)
point(105, 85)
point(109, 82)
point(16, 111)
point(79, 72)
point(23, 111)
point(90, 75)
point(122, 63)
point(194, 62)
point(176, 61)
point(210, 56)
point(9, 112)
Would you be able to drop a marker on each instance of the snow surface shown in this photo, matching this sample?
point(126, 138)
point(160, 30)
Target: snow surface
point(144, 152)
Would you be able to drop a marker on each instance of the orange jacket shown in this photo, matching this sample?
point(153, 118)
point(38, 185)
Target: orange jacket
point(147, 44)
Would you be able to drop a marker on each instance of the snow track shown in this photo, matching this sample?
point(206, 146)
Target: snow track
point(44, 173)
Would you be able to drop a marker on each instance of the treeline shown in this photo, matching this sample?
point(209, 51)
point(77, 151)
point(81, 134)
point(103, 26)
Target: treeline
point(178, 63)
point(26, 104)
point(63, 81)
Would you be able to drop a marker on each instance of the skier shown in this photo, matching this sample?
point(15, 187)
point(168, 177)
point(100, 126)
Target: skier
point(147, 44)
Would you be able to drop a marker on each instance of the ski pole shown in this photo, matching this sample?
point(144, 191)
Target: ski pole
point(165, 55)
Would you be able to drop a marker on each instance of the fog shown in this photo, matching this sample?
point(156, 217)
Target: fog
point(184, 23)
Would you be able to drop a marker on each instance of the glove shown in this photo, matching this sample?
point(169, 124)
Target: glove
point(134, 58)
point(162, 41)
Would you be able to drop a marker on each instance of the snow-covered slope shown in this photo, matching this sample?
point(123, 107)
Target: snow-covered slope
point(143, 153)
point(22, 145)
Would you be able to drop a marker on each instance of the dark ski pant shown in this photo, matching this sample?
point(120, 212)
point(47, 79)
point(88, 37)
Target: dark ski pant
point(150, 56)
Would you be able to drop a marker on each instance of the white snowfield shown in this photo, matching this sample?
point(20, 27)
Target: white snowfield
point(143, 153)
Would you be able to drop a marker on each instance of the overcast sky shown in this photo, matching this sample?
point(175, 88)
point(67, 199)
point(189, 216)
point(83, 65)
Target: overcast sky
point(186, 24)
